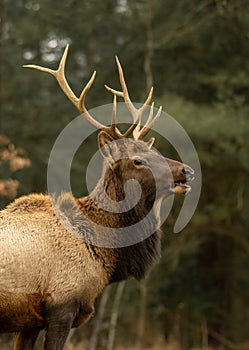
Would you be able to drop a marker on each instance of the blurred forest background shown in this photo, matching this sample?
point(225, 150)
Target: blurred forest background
point(195, 53)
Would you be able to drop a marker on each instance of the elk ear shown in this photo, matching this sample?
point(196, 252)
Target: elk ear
point(150, 142)
point(107, 146)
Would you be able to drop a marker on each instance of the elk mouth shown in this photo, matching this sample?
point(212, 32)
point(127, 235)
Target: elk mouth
point(181, 186)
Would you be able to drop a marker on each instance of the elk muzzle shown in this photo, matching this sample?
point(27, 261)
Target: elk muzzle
point(182, 177)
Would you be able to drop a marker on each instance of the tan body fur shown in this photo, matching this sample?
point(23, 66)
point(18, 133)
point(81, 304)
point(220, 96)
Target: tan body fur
point(34, 272)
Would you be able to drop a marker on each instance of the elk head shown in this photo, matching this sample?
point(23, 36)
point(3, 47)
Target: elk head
point(128, 158)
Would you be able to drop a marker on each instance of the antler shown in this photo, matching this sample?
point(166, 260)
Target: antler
point(135, 112)
point(79, 103)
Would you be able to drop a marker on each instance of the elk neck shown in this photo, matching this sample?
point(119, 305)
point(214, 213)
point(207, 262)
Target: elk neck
point(135, 260)
point(110, 191)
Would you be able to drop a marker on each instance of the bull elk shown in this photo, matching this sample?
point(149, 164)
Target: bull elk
point(49, 275)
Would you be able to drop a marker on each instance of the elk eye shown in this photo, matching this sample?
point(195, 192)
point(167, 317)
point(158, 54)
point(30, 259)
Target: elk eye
point(139, 162)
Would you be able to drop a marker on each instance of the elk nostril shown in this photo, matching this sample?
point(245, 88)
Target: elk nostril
point(187, 172)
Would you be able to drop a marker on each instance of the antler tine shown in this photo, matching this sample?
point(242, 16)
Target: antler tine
point(114, 118)
point(151, 114)
point(150, 122)
point(124, 93)
point(59, 75)
point(135, 112)
point(114, 110)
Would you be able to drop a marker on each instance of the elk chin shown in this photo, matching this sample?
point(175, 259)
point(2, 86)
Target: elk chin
point(181, 188)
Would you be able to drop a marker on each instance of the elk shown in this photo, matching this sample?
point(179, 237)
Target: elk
point(49, 275)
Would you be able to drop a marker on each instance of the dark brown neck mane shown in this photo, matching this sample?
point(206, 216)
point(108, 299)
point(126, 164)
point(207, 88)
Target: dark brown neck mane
point(135, 260)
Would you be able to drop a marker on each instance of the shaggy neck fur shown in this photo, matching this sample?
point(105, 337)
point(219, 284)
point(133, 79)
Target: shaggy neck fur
point(135, 260)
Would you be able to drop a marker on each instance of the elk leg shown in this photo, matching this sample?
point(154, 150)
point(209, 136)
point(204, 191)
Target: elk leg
point(57, 330)
point(25, 340)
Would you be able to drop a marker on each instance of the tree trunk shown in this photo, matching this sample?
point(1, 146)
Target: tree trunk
point(149, 50)
point(114, 316)
point(204, 334)
point(216, 277)
point(99, 319)
point(142, 314)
